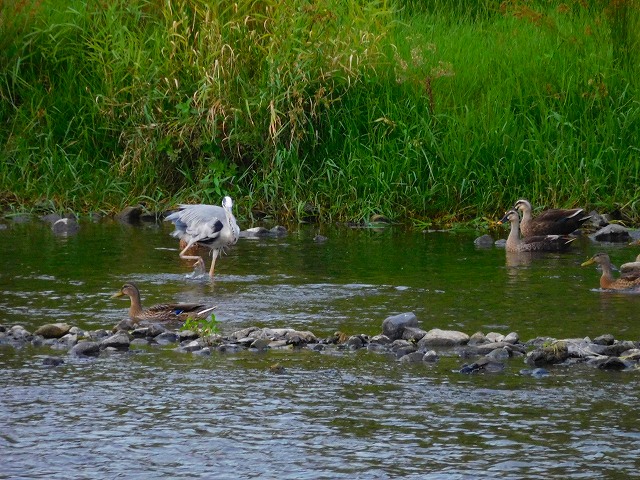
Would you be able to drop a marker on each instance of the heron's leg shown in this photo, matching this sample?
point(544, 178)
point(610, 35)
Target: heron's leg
point(199, 265)
point(214, 255)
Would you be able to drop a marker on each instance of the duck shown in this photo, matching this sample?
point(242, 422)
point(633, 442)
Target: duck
point(209, 226)
point(631, 267)
point(607, 281)
point(538, 243)
point(555, 221)
point(168, 312)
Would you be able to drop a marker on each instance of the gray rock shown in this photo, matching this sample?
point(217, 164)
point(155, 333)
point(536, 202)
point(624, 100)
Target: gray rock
point(618, 348)
point(228, 348)
point(499, 354)
point(512, 337)
point(612, 233)
point(187, 335)
point(119, 341)
point(279, 344)
point(380, 339)
point(165, 338)
point(18, 332)
point(255, 232)
point(130, 214)
point(141, 332)
point(430, 357)
point(298, 337)
point(278, 231)
point(259, 344)
point(156, 329)
point(478, 338)
point(413, 334)
point(612, 363)
point(632, 355)
point(52, 361)
point(484, 241)
point(204, 351)
point(125, 324)
point(556, 353)
point(412, 357)
point(51, 218)
point(98, 335)
point(491, 346)
point(53, 330)
point(443, 338)
point(377, 347)
point(65, 226)
point(606, 339)
point(495, 337)
point(597, 220)
point(68, 340)
point(355, 342)
point(483, 364)
point(85, 349)
point(393, 326)
point(191, 346)
point(403, 351)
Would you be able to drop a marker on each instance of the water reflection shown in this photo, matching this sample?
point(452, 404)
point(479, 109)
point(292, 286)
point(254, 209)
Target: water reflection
point(154, 412)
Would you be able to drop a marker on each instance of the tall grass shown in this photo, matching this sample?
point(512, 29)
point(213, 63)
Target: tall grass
point(421, 111)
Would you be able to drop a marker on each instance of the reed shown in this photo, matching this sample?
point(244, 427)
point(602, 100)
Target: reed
point(425, 111)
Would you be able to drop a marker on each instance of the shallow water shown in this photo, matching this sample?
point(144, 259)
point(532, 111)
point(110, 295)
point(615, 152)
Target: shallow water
point(155, 412)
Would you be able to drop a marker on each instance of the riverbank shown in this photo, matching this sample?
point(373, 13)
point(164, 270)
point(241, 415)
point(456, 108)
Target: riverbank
point(428, 115)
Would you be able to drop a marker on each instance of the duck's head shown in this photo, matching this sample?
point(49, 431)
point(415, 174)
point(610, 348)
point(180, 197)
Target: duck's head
point(522, 205)
point(511, 217)
point(128, 289)
point(599, 258)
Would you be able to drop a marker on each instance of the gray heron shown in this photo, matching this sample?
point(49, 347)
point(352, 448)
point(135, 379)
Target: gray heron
point(205, 225)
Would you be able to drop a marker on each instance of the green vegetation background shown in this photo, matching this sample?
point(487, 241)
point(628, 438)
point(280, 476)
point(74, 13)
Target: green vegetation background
point(423, 111)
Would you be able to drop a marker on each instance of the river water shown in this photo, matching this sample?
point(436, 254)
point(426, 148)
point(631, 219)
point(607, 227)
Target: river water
point(153, 412)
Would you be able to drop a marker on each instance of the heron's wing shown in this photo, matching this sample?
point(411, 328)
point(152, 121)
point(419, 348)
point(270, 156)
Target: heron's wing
point(197, 223)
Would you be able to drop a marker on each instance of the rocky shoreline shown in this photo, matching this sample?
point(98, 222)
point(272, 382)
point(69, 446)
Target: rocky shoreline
point(401, 339)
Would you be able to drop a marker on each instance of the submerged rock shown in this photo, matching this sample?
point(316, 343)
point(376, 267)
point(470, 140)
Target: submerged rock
point(484, 241)
point(52, 361)
point(85, 349)
point(65, 226)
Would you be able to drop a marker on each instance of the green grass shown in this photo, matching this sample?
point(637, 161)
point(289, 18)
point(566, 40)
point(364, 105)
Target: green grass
point(422, 111)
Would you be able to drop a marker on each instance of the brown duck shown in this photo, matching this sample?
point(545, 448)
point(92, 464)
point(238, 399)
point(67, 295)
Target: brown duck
point(556, 221)
point(539, 243)
point(631, 268)
point(607, 281)
point(169, 312)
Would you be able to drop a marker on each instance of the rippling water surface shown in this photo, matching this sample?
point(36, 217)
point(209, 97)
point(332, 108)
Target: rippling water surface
point(153, 412)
